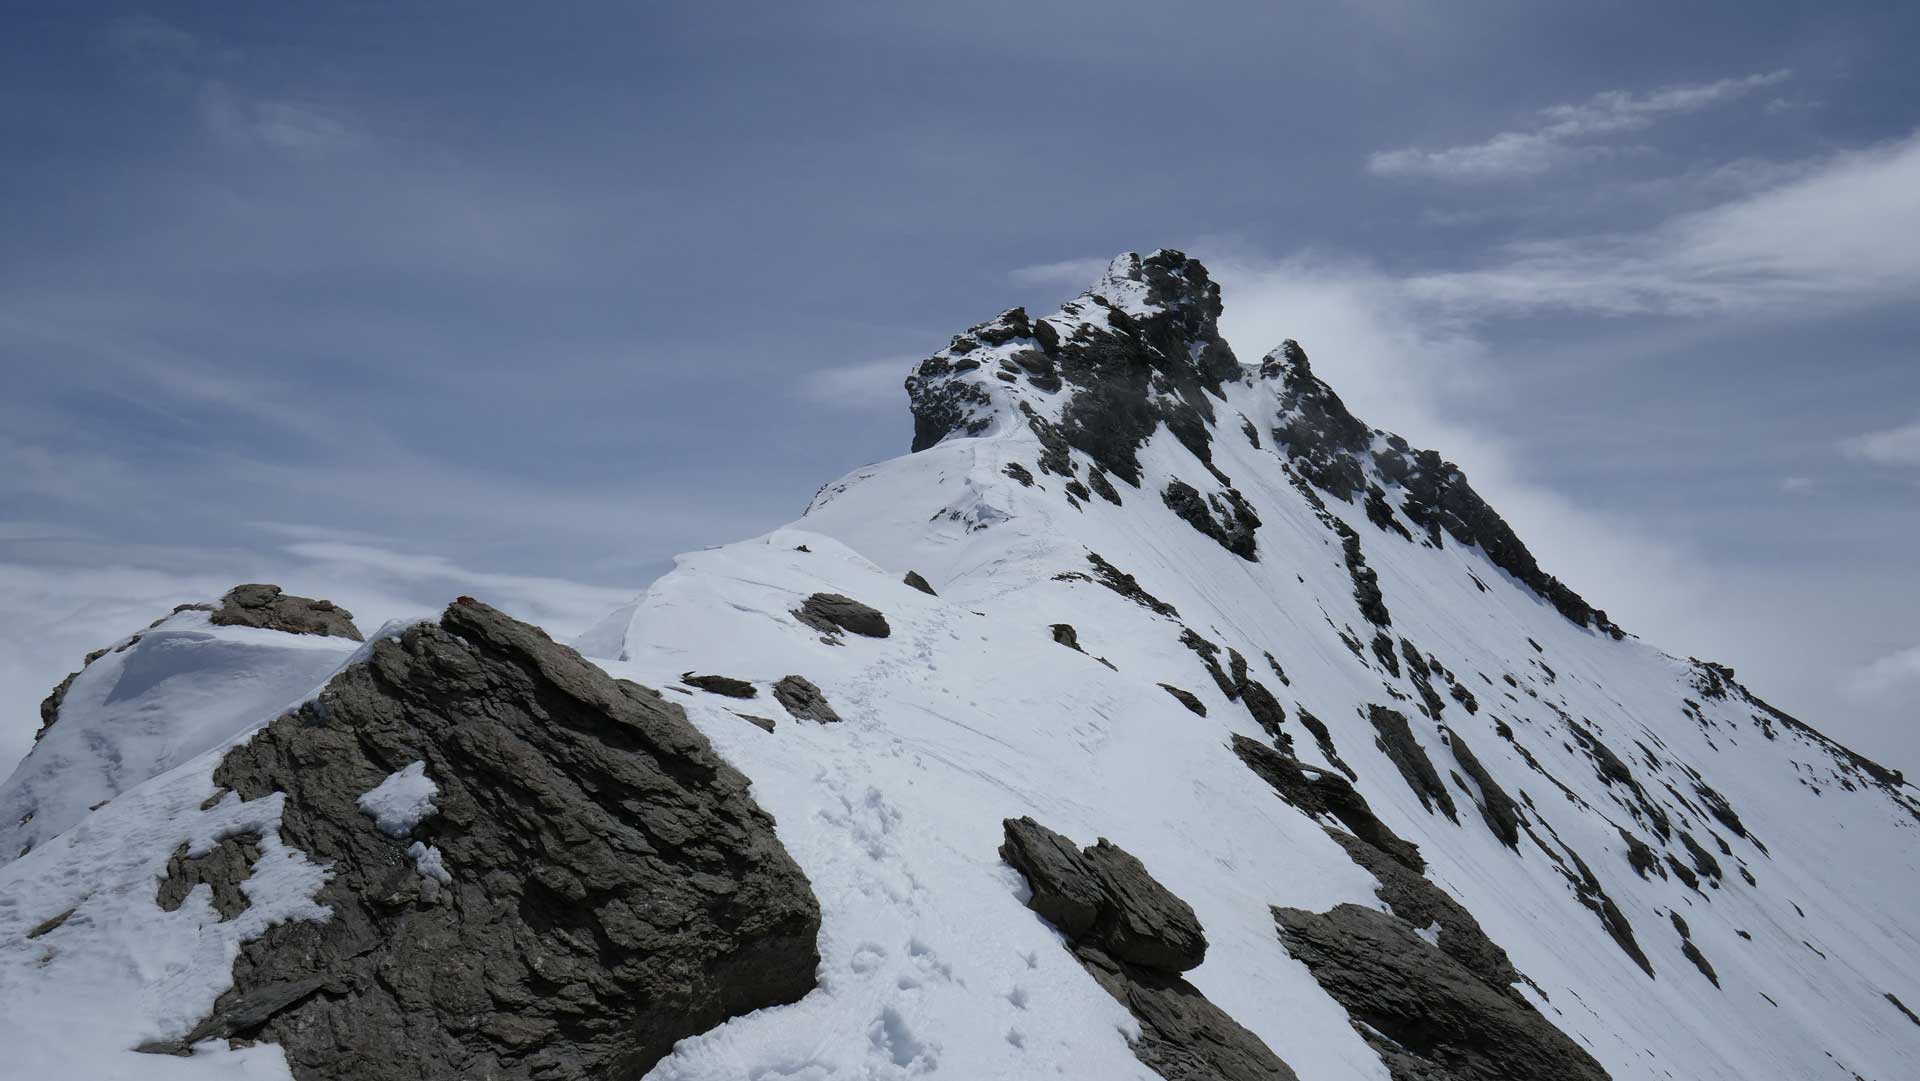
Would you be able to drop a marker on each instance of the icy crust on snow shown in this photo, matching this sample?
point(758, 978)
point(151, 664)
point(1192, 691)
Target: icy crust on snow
point(973, 711)
point(151, 702)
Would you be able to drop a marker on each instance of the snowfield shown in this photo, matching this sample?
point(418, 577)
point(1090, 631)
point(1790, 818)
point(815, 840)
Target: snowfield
point(972, 711)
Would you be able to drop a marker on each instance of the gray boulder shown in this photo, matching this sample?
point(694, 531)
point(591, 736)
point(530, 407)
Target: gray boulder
point(831, 613)
point(1135, 938)
point(594, 884)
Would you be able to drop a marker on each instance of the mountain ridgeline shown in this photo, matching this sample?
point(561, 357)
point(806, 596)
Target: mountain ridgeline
point(1153, 717)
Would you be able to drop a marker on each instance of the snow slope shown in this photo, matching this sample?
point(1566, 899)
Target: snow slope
point(972, 710)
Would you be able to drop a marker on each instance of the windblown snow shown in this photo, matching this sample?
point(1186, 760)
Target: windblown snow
point(1794, 866)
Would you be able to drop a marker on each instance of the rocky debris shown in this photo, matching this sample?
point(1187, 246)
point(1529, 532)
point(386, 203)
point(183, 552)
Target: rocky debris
point(913, 579)
point(602, 884)
point(1209, 655)
point(1640, 856)
point(258, 604)
point(222, 869)
point(1120, 582)
point(1501, 813)
point(1430, 1017)
point(721, 685)
point(1135, 938)
point(1395, 739)
point(831, 613)
point(1383, 652)
point(1186, 699)
point(1223, 516)
point(804, 700)
point(1902, 1007)
point(1102, 487)
point(1692, 952)
point(1019, 473)
point(1064, 634)
point(1326, 795)
point(1262, 706)
point(1324, 739)
point(1586, 888)
point(1703, 861)
point(765, 724)
point(53, 923)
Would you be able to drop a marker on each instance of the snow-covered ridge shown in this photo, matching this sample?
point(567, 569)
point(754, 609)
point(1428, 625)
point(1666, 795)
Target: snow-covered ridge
point(1352, 579)
point(1128, 588)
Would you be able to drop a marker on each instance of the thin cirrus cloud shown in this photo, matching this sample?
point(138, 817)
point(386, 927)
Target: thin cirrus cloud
point(1818, 240)
point(1564, 133)
point(1893, 446)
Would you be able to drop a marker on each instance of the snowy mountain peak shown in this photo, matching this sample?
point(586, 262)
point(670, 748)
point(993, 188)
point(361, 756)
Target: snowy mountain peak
point(1155, 717)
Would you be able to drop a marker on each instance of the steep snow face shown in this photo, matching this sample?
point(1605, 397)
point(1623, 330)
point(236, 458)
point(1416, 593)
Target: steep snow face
point(151, 702)
point(1210, 527)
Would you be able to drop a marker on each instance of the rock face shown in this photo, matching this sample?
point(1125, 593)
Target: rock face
point(1141, 348)
point(1135, 938)
point(591, 883)
point(1430, 1017)
point(1335, 451)
point(260, 605)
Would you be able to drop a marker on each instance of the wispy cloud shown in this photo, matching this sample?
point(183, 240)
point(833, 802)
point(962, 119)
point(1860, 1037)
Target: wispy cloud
point(1067, 273)
point(1563, 134)
point(863, 385)
point(1892, 446)
point(1884, 676)
point(1819, 239)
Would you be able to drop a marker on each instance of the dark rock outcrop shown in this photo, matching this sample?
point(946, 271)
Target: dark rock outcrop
point(1135, 938)
point(258, 604)
point(721, 685)
point(1224, 516)
point(1498, 809)
point(1396, 740)
point(595, 883)
point(1430, 1017)
point(831, 613)
point(1692, 952)
point(1186, 698)
point(1120, 582)
point(1327, 796)
point(1331, 448)
point(1123, 371)
point(914, 579)
point(804, 700)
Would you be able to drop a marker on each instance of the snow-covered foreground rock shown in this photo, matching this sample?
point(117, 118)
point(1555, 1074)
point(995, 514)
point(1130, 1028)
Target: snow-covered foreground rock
point(1381, 797)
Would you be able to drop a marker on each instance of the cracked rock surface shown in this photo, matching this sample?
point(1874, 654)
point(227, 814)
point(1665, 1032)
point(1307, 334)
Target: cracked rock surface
point(605, 884)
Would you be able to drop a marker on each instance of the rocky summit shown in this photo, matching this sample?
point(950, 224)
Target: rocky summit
point(1153, 716)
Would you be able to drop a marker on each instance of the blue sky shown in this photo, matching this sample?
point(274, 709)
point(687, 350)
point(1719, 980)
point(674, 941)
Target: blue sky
point(387, 305)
